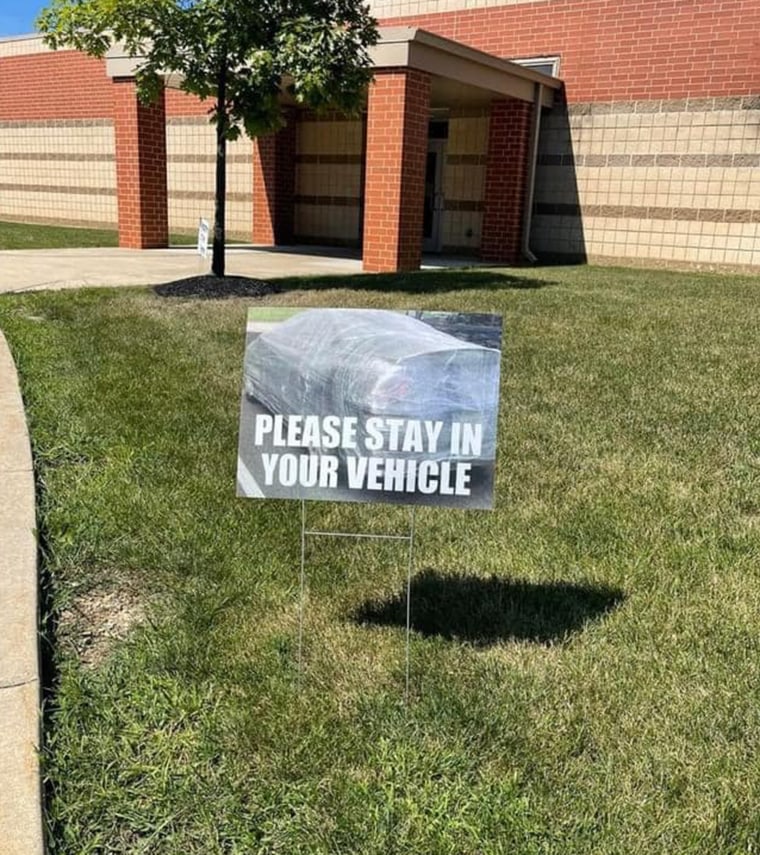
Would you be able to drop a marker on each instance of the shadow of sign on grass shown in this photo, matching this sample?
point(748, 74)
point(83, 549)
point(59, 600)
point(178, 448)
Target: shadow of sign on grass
point(485, 611)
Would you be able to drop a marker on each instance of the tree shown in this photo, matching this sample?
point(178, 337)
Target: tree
point(243, 54)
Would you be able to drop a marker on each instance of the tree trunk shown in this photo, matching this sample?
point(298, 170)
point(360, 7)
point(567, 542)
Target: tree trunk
point(220, 192)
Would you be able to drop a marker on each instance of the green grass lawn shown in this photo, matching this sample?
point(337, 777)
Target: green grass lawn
point(35, 236)
point(586, 660)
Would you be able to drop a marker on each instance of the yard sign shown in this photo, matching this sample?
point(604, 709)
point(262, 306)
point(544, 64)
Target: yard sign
point(369, 405)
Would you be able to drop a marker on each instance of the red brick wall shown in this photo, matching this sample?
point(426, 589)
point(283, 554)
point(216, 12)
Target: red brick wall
point(60, 85)
point(621, 50)
point(610, 51)
point(140, 138)
point(506, 173)
point(274, 184)
point(69, 85)
point(179, 103)
point(397, 130)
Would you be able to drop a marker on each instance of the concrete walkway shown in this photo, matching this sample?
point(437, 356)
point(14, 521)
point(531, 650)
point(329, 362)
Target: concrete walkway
point(20, 788)
point(27, 269)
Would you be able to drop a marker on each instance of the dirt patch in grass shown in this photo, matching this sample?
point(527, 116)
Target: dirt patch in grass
point(93, 622)
point(210, 287)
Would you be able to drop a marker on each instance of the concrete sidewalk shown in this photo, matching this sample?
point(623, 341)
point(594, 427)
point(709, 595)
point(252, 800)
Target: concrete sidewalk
point(33, 269)
point(20, 787)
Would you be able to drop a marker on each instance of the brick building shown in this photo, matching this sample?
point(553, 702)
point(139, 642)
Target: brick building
point(648, 150)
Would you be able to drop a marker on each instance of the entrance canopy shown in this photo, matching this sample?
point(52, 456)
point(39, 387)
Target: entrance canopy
point(416, 75)
point(459, 74)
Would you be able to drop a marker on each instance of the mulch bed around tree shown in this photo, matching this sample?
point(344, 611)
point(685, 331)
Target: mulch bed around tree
point(209, 287)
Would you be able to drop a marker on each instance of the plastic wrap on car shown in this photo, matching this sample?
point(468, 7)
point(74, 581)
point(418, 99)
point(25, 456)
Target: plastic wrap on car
point(366, 362)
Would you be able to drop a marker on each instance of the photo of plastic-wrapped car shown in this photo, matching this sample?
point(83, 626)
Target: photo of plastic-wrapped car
point(413, 395)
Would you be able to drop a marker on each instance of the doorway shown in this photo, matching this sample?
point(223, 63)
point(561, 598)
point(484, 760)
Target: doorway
point(432, 216)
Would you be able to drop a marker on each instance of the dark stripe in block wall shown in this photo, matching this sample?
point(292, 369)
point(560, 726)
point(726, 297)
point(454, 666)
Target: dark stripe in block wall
point(57, 157)
point(208, 158)
point(61, 190)
point(649, 212)
point(726, 161)
point(466, 159)
point(683, 105)
point(199, 194)
point(56, 123)
point(329, 201)
point(463, 204)
point(332, 159)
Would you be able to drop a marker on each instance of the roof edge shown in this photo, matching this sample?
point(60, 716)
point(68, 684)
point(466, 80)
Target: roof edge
point(419, 36)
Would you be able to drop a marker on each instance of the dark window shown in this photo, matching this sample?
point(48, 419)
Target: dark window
point(438, 130)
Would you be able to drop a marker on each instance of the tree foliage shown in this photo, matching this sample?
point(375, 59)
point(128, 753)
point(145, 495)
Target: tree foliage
point(243, 54)
point(316, 49)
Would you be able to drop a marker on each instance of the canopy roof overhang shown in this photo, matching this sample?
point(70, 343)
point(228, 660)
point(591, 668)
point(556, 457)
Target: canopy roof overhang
point(460, 75)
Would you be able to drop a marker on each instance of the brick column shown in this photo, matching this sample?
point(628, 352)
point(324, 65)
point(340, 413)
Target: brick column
point(274, 185)
point(394, 187)
point(506, 173)
point(140, 135)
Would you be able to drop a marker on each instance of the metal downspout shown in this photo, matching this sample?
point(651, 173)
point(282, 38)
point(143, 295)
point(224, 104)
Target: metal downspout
point(530, 183)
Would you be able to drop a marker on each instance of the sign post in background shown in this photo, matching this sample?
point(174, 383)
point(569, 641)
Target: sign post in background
point(203, 230)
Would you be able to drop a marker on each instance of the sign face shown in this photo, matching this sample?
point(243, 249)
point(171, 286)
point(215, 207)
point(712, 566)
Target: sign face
point(368, 405)
point(203, 230)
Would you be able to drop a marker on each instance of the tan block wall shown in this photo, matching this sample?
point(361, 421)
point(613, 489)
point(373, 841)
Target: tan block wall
point(671, 181)
point(328, 180)
point(190, 175)
point(58, 171)
point(464, 172)
point(22, 46)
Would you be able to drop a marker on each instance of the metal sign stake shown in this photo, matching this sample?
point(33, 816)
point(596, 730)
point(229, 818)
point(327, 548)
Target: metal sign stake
point(302, 592)
point(409, 538)
point(409, 601)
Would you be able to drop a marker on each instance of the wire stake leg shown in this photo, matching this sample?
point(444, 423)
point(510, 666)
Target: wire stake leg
point(302, 585)
point(302, 592)
point(409, 601)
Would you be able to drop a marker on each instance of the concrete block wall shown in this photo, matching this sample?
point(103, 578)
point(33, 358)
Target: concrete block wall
point(658, 181)
point(464, 173)
point(328, 179)
point(57, 161)
point(191, 164)
point(191, 159)
point(58, 171)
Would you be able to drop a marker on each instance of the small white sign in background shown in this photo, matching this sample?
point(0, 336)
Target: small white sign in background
point(203, 230)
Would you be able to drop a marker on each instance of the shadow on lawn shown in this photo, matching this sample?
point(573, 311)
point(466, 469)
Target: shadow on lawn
point(486, 611)
point(419, 282)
